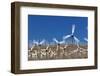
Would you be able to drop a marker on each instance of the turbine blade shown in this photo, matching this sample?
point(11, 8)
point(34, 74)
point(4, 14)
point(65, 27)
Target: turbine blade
point(62, 42)
point(42, 42)
point(35, 42)
point(65, 37)
point(86, 39)
point(76, 39)
point(54, 39)
point(73, 29)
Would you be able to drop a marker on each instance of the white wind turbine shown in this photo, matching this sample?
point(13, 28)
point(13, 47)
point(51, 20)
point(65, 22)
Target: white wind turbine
point(72, 35)
point(38, 43)
point(31, 45)
point(58, 42)
point(86, 38)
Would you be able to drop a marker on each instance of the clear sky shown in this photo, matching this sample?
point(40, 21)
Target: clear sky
point(47, 27)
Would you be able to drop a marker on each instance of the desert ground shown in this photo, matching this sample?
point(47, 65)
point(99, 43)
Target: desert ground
point(51, 52)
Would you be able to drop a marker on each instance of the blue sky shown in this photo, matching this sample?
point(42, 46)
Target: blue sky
point(47, 27)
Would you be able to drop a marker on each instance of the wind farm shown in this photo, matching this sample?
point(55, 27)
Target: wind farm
point(52, 37)
point(59, 49)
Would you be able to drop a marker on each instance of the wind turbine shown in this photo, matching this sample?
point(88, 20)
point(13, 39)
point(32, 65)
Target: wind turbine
point(58, 42)
point(38, 43)
point(30, 44)
point(86, 38)
point(72, 35)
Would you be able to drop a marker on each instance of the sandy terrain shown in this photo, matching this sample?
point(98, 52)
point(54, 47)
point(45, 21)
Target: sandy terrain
point(57, 52)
